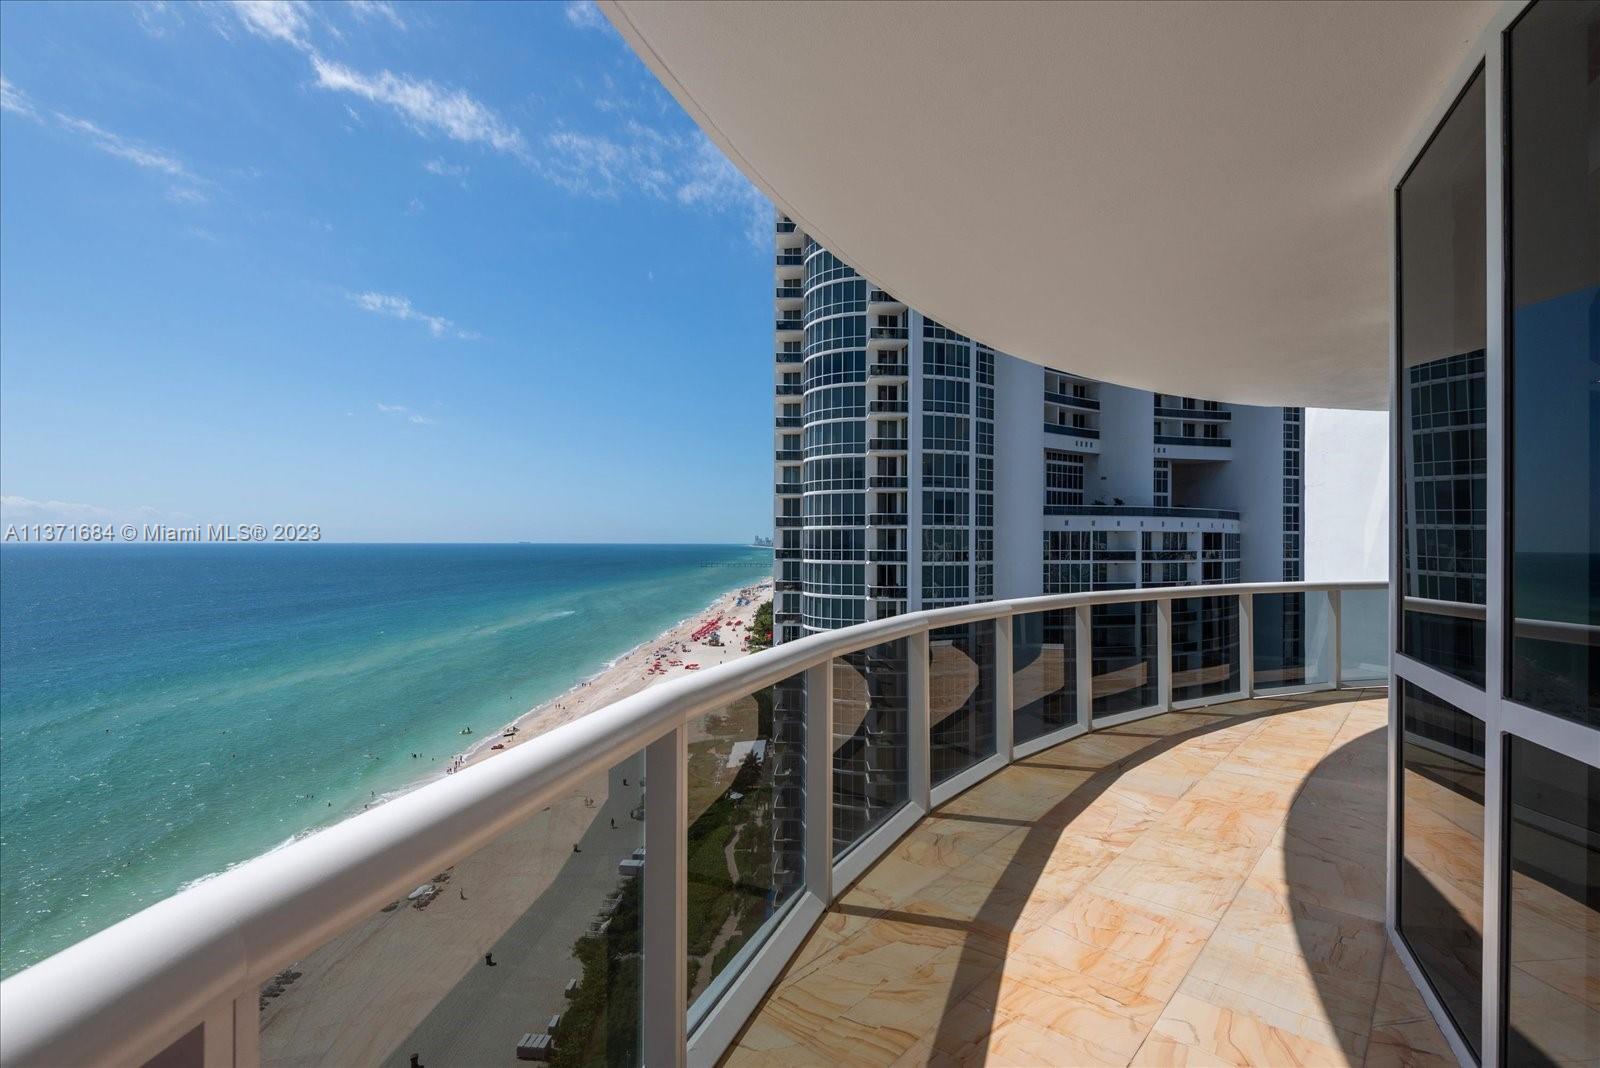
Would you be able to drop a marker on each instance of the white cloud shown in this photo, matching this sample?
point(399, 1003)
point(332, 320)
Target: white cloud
point(426, 106)
point(640, 158)
point(16, 101)
point(367, 9)
point(410, 416)
point(288, 21)
point(153, 15)
point(398, 307)
point(414, 206)
point(445, 170)
point(187, 186)
point(585, 16)
point(21, 510)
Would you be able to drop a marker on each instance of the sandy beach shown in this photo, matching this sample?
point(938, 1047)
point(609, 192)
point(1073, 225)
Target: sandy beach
point(414, 979)
point(672, 653)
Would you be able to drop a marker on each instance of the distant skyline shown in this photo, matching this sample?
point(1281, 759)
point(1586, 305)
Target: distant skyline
point(408, 272)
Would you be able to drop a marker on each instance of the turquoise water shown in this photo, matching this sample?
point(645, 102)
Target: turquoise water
point(168, 711)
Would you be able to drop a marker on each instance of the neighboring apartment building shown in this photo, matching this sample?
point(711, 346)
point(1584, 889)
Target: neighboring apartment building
point(909, 459)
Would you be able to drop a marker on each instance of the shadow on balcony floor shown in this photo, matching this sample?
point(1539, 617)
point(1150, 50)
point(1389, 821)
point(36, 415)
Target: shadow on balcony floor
point(1202, 887)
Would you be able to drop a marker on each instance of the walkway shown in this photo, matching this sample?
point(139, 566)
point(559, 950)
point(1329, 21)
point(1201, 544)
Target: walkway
point(1199, 888)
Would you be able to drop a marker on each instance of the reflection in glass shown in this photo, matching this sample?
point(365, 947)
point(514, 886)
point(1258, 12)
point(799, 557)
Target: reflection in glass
point(1553, 908)
point(1205, 647)
point(960, 698)
point(554, 903)
point(1044, 686)
point(1554, 359)
point(1364, 636)
point(1289, 640)
point(1441, 843)
point(746, 835)
point(1442, 421)
point(1123, 646)
point(870, 741)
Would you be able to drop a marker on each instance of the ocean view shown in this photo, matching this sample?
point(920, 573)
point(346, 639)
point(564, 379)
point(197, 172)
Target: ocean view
point(170, 711)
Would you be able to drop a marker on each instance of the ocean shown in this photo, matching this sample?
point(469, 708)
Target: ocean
point(169, 711)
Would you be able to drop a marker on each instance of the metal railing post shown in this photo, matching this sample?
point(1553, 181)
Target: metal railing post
point(1335, 639)
point(1247, 644)
point(819, 781)
point(919, 769)
point(1004, 699)
point(1083, 661)
point(666, 888)
point(1164, 654)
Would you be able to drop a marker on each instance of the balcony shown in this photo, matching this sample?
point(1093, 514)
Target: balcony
point(1037, 894)
point(788, 455)
point(1088, 404)
point(788, 258)
point(789, 326)
point(887, 593)
point(785, 554)
point(886, 482)
point(887, 407)
point(795, 358)
point(790, 389)
point(886, 519)
point(785, 226)
point(787, 489)
point(789, 293)
point(1195, 442)
point(892, 370)
point(1193, 415)
point(787, 422)
point(1073, 431)
point(886, 444)
point(786, 521)
point(1141, 511)
point(886, 556)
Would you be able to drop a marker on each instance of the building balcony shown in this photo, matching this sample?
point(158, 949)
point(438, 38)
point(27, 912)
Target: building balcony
point(786, 585)
point(1185, 439)
point(887, 407)
point(886, 593)
point(795, 358)
point(787, 489)
point(1114, 890)
point(788, 258)
point(789, 326)
point(886, 556)
point(886, 482)
point(788, 294)
point(784, 226)
point(896, 371)
point(789, 389)
point(785, 554)
point(788, 422)
point(786, 521)
point(881, 303)
point(1193, 415)
point(886, 519)
point(788, 455)
point(886, 444)
point(1141, 511)
point(1067, 400)
point(1088, 432)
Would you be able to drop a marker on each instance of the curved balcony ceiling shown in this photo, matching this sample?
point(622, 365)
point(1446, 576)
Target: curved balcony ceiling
point(1183, 197)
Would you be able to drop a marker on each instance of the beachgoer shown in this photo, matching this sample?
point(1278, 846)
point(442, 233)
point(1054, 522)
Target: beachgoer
point(488, 958)
point(575, 848)
point(414, 1062)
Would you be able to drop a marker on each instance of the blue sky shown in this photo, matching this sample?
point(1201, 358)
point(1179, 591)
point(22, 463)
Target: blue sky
point(411, 272)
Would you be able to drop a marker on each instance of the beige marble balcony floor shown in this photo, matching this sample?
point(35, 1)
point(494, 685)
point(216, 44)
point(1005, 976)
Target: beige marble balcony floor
point(1199, 888)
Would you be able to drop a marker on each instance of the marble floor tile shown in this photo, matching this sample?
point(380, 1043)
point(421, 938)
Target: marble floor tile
point(1199, 888)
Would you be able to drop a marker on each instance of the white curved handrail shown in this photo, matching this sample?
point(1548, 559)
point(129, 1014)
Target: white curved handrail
point(124, 994)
